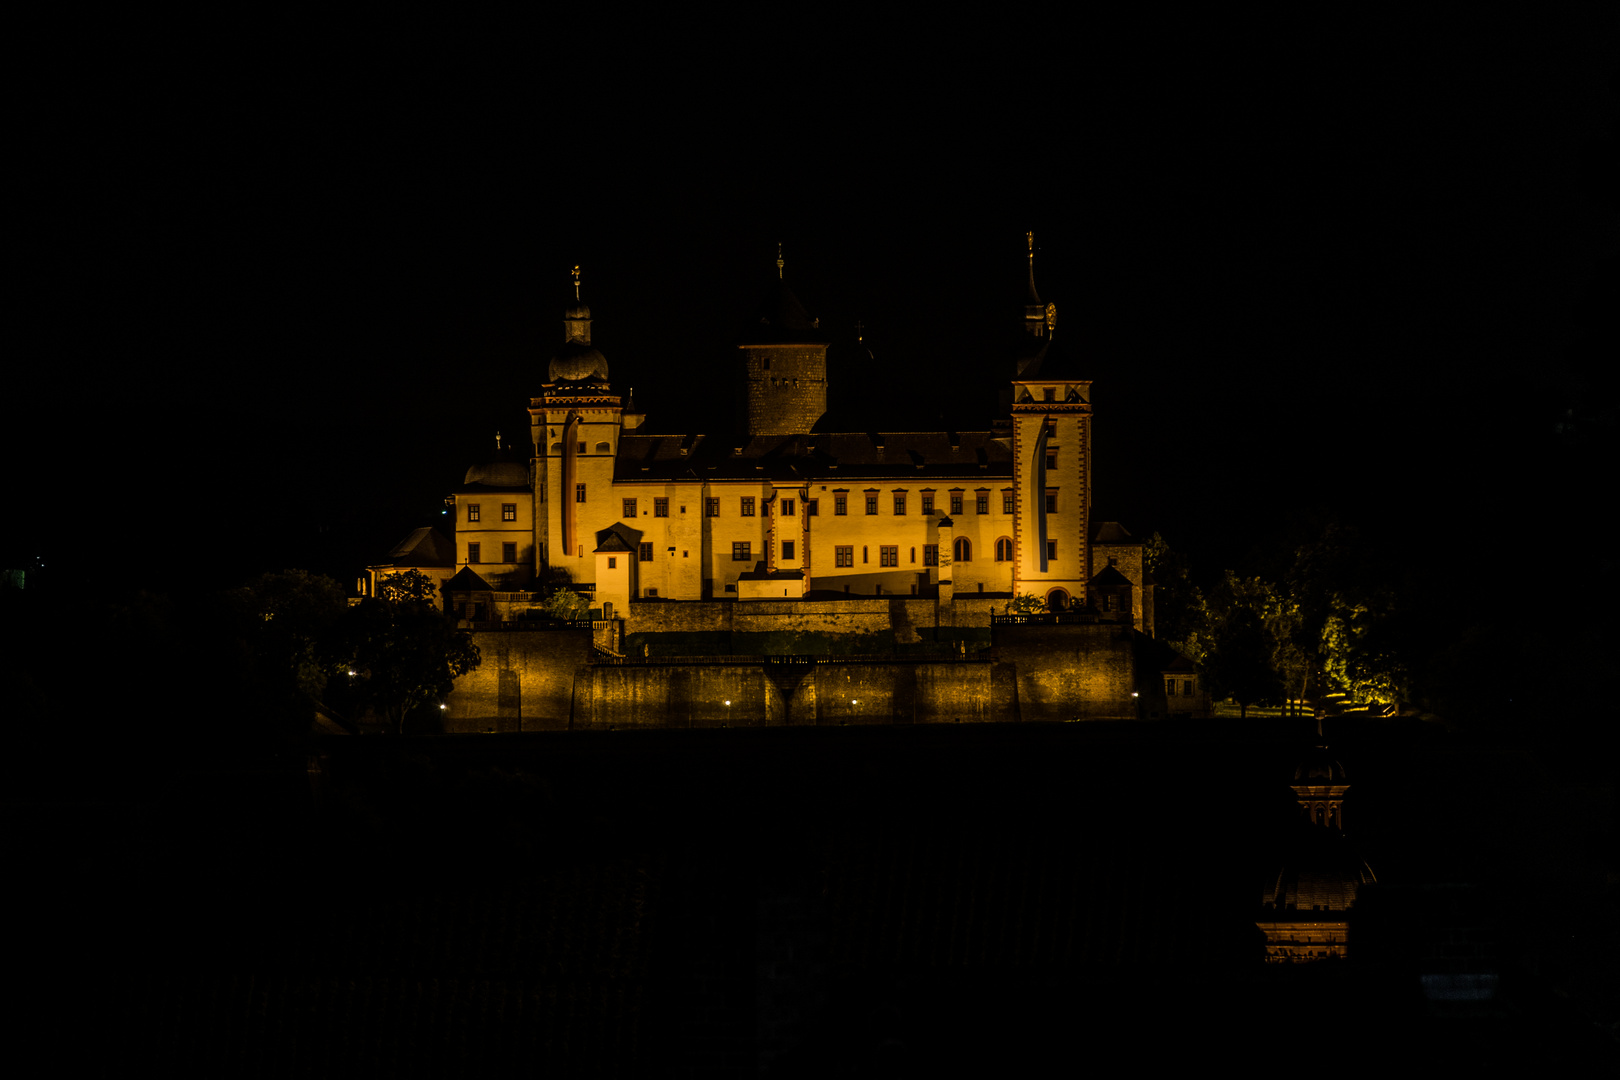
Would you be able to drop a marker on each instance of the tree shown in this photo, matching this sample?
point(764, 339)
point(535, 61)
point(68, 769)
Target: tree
point(404, 651)
point(1027, 604)
point(1239, 662)
point(288, 620)
point(566, 605)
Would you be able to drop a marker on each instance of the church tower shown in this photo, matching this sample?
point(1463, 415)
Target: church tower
point(784, 364)
point(575, 425)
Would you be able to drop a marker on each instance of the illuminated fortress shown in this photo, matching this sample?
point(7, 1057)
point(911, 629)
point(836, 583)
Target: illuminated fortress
point(909, 538)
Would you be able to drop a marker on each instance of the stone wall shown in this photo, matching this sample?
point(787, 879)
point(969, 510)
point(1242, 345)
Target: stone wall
point(524, 682)
point(538, 680)
point(905, 615)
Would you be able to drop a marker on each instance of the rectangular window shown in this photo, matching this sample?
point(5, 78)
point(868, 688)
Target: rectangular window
point(1051, 551)
point(747, 506)
point(871, 504)
point(927, 503)
point(741, 551)
point(981, 503)
point(889, 555)
point(1048, 393)
point(646, 551)
point(1006, 502)
point(508, 553)
point(812, 507)
point(651, 591)
point(899, 504)
point(582, 448)
point(930, 554)
point(844, 555)
point(508, 511)
point(711, 507)
point(956, 502)
point(629, 508)
point(866, 556)
point(787, 508)
point(579, 492)
point(1051, 461)
point(613, 562)
point(660, 508)
point(473, 511)
point(787, 551)
point(1186, 688)
point(1051, 502)
point(473, 553)
point(1051, 429)
point(840, 505)
point(1170, 688)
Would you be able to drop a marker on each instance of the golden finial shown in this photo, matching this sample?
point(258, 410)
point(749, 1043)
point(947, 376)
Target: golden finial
point(497, 440)
point(1030, 236)
point(576, 283)
point(779, 263)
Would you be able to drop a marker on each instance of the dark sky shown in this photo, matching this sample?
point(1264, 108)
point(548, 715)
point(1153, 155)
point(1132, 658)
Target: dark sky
point(279, 295)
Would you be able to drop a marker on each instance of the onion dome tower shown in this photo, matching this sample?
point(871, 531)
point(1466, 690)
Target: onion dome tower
point(1306, 901)
point(577, 360)
point(784, 364)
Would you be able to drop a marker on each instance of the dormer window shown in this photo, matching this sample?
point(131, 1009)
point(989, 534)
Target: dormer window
point(1048, 393)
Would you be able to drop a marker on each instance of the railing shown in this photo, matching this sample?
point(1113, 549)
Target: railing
point(1049, 618)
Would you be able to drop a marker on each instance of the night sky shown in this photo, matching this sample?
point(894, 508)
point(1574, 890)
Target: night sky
point(278, 295)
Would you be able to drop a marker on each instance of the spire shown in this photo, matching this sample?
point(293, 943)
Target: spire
point(576, 279)
point(779, 262)
point(497, 440)
point(1040, 318)
point(1034, 297)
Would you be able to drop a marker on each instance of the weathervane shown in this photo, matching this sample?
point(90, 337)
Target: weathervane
point(779, 263)
point(576, 283)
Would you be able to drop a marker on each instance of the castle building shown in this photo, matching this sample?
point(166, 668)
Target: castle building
point(788, 510)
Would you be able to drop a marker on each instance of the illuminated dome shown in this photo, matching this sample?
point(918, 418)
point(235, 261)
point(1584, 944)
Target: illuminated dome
point(503, 470)
point(576, 361)
point(1322, 872)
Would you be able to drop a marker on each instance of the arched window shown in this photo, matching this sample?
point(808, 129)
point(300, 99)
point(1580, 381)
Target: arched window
point(1004, 550)
point(962, 550)
point(603, 448)
point(556, 448)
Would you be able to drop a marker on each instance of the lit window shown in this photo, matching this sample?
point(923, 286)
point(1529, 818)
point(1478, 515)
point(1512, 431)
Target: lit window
point(1006, 502)
point(899, 503)
point(747, 506)
point(509, 553)
point(844, 555)
point(660, 508)
point(871, 504)
point(629, 508)
point(927, 503)
point(787, 508)
point(711, 507)
point(508, 511)
point(1004, 550)
point(579, 492)
point(741, 551)
point(962, 550)
point(840, 505)
point(473, 511)
point(646, 551)
point(981, 503)
point(473, 551)
point(787, 550)
point(930, 554)
point(889, 555)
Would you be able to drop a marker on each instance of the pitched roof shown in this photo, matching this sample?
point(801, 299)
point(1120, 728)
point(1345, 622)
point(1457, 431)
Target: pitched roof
point(780, 319)
point(826, 457)
point(467, 580)
point(1110, 576)
point(617, 537)
point(1112, 532)
point(422, 547)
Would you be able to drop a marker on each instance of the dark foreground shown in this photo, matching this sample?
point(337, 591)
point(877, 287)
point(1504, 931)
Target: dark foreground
point(853, 901)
